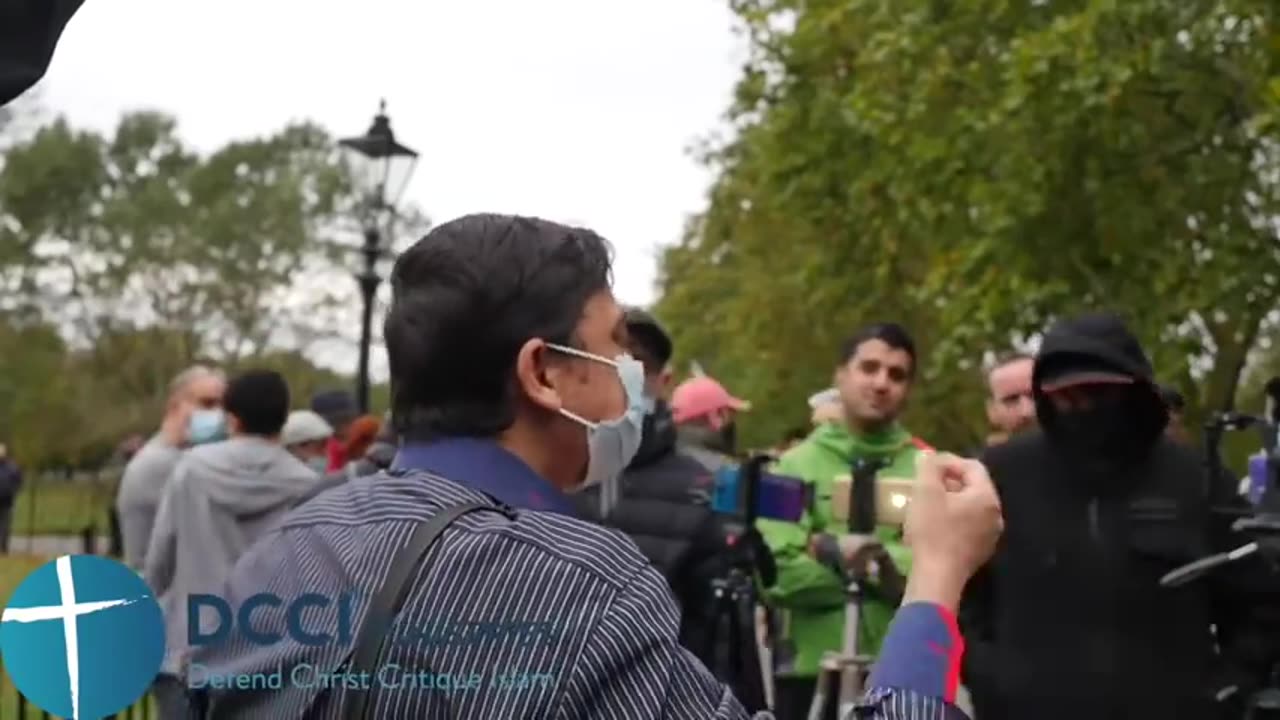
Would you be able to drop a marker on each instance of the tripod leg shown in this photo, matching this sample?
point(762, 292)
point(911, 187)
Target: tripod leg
point(764, 653)
point(712, 639)
point(747, 663)
point(818, 709)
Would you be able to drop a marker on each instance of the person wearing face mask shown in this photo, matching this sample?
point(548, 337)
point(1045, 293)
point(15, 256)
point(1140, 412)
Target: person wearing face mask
point(306, 435)
point(223, 496)
point(513, 389)
point(1069, 620)
point(662, 500)
point(192, 416)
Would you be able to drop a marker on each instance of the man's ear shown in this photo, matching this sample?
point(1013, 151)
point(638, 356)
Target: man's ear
point(536, 377)
point(664, 379)
point(991, 411)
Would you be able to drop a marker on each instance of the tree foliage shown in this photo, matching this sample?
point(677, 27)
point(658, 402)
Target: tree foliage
point(975, 169)
point(125, 257)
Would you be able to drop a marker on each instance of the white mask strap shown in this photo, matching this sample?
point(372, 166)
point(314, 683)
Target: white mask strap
point(578, 419)
point(586, 356)
point(581, 353)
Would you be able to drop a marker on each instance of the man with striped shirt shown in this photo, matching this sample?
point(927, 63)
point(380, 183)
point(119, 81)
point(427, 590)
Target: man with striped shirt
point(511, 388)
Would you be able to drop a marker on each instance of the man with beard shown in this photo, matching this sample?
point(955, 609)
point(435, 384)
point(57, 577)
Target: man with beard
point(1068, 620)
point(662, 502)
point(874, 376)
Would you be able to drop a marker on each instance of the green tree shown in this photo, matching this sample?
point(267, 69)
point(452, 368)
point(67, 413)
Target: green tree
point(126, 257)
point(138, 230)
point(975, 170)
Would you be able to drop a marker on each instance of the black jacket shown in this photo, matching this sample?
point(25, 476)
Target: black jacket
point(664, 507)
point(10, 481)
point(1068, 620)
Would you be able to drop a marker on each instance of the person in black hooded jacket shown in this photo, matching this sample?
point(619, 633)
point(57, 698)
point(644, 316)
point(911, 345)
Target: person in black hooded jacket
point(1068, 620)
point(663, 502)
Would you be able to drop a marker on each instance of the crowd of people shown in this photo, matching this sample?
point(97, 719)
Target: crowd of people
point(535, 469)
point(523, 395)
point(227, 461)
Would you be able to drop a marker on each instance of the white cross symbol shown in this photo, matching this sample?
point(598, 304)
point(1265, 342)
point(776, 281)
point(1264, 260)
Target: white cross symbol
point(67, 613)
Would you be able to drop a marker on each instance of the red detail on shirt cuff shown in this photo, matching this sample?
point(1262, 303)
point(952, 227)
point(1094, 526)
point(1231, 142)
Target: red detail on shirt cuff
point(956, 654)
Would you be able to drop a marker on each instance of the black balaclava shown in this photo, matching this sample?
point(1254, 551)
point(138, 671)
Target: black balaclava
point(1125, 420)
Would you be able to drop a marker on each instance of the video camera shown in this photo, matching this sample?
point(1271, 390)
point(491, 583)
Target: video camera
point(742, 494)
point(1261, 524)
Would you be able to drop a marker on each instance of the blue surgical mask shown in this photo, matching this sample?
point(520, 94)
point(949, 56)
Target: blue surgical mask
point(319, 464)
point(206, 426)
point(612, 443)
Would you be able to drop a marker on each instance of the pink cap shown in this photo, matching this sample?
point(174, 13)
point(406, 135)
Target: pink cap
point(700, 396)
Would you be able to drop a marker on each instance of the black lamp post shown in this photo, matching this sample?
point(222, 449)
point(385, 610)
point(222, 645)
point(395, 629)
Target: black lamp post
point(381, 168)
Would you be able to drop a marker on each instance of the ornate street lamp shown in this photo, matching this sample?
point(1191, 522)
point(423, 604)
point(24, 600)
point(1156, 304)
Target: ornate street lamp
point(380, 168)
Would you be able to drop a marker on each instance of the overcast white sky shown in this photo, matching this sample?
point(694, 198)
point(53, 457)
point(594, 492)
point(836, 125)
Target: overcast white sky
point(575, 110)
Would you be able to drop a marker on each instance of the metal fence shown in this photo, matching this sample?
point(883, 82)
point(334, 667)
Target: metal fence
point(13, 705)
point(143, 709)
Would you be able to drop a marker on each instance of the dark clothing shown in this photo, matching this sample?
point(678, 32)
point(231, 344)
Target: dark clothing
point(170, 693)
point(10, 482)
point(29, 32)
point(1068, 620)
point(793, 696)
point(6, 527)
point(664, 508)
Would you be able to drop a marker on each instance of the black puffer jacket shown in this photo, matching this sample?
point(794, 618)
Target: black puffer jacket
point(664, 508)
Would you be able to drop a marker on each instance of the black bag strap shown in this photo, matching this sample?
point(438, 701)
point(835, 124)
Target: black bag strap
point(372, 636)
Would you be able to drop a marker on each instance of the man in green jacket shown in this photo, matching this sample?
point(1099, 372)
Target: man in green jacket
point(877, 365)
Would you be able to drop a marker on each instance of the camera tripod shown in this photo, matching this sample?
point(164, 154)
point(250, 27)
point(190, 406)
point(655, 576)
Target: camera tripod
point(1263, 527)
point(741, 668)
point(734, 602)
point(847, 670)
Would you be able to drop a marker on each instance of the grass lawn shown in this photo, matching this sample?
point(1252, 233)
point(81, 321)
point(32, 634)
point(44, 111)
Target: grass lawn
point(50, 506)
point(13, 568)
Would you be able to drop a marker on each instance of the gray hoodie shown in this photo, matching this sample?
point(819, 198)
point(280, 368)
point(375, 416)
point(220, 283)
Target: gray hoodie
point(221, 498)
point(141, 488)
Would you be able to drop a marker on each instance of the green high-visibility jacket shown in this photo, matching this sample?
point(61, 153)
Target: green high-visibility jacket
point(810, 594)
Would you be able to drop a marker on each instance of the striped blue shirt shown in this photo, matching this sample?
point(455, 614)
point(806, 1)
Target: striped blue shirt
point(605, 644)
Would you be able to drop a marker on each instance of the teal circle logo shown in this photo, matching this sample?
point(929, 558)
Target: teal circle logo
point(82, 637)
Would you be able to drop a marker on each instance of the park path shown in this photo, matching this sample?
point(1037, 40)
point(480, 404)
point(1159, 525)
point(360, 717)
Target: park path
point(53, 545)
